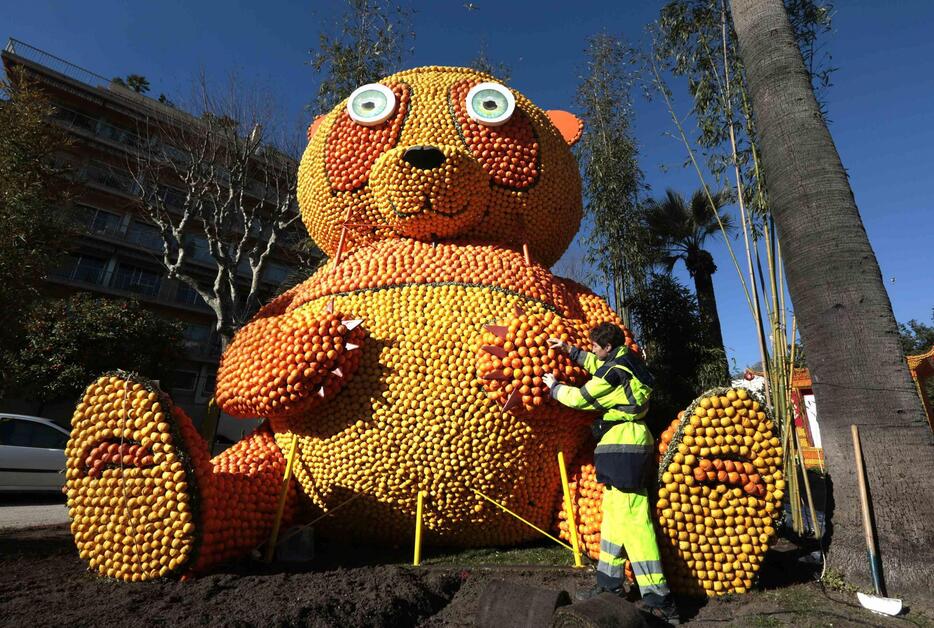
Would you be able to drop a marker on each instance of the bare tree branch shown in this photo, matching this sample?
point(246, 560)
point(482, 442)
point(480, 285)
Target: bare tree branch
point(219, 183)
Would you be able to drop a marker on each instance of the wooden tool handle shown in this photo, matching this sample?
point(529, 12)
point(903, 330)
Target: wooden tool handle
point(863, 495)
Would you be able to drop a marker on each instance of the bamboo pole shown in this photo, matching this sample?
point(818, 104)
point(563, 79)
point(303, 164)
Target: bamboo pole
point(757, 310)
point(664, 91)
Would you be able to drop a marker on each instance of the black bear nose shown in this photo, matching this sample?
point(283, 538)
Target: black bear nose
point(423, 157)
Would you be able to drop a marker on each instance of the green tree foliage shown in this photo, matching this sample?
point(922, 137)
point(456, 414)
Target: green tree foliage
point(483, 63)
point(672, 334)
point(915, 336)
point(689, 42)
point(370, 45)
point(32, 198)
point(68, 342)
point(135, 82)
point(613, 181)
point(678, 230)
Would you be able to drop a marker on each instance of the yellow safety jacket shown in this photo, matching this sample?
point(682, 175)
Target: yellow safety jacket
point(620, 387)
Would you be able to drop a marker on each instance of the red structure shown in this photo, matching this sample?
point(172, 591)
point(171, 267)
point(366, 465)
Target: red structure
point(922, 369)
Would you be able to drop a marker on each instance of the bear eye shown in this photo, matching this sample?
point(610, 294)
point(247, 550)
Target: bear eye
point(371, 104)
point(490, 104)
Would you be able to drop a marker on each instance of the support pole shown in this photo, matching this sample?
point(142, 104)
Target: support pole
point(568, 508)
point(419, 508)
point(274, 535)
point(340, 241)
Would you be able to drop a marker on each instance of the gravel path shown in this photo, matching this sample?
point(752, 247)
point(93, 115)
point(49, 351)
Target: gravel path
point(30, 511)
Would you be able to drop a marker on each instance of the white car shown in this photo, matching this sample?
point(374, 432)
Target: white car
point(32, 453)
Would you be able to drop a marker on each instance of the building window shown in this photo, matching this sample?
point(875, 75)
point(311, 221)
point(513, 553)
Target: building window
point(196, 333)
point(197, 249)
point(105, 175)
point(116, 134)
point(172, 197)
point(78, 267)
point(208, 382)
point(76, 119)
point(186, 295)
point(183, 380)
point(136, 279)
point(145, 235)
point(100, 222)
point(275, 273)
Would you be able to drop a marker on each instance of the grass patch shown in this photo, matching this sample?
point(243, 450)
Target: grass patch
point(765, 621)
point(835, 581)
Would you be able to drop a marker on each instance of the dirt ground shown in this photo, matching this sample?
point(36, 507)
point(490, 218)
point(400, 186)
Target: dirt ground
point(44, 583)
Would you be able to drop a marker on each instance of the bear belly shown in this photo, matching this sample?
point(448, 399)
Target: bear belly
point(416, 417)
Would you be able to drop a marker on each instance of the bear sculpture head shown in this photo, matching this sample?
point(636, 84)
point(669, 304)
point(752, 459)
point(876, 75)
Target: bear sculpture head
point(442, 154)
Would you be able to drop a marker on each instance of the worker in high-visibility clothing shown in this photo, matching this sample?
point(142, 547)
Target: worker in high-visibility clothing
point(620, 388)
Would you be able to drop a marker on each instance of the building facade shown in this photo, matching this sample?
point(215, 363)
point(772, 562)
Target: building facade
point(119, 254)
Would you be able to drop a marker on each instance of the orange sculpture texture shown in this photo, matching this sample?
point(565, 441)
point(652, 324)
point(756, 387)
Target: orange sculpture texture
point(411, 361)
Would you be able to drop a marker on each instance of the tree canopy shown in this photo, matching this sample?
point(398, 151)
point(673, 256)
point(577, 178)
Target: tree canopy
point(915, 336)
point(68, 342)
point(369, 45)
point(613, 181)
point(32, 200)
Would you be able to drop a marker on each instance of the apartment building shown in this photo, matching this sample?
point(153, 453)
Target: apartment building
point(120, 253)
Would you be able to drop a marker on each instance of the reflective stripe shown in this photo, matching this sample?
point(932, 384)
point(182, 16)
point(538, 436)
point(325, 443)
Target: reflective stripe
point(632, 409)
point(637, 367)
point(627, 388)
point(647, 567)
point(657, 589)
point(611, 548)
point(613, 571)
point(578, 355)
point(590, 399)
point(623, 449)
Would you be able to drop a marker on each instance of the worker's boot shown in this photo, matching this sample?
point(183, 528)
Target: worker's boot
point(659, 607)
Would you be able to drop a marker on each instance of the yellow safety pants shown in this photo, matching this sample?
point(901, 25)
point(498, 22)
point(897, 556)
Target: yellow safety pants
point(627, 531)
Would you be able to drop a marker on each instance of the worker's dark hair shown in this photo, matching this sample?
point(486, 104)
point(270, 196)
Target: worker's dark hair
point(608, 334)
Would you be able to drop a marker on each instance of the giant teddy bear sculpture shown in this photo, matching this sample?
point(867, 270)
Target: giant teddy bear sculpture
point(411, 362)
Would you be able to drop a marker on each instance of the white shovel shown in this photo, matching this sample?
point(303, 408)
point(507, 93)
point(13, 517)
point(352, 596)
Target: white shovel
point(877, 603)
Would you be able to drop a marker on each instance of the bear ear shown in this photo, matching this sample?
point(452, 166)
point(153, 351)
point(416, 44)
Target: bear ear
point(570, 126)
point(314, 127)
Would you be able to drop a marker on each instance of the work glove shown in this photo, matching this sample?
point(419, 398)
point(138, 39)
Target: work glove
point(549, 380)
point(560, 345)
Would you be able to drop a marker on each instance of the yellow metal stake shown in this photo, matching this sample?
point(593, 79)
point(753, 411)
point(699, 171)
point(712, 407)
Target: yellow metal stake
point(419, 506)
point(273, 537)
point(572, 524)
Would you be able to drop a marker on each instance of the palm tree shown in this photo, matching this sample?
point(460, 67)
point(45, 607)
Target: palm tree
point(678, 231)
point(843, 312)
point(136, 82)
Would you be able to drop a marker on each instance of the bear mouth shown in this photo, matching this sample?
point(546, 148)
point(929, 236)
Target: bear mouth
point(115, 453)
point(428, 208)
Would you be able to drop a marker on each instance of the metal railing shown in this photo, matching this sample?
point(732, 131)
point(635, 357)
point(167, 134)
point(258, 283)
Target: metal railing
point(50, 61)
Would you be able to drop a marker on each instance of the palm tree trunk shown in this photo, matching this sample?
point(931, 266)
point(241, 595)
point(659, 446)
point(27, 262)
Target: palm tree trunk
point(846, 320)
point(710, 318)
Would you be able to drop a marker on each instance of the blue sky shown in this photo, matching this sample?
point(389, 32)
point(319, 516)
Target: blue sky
point(880, 104)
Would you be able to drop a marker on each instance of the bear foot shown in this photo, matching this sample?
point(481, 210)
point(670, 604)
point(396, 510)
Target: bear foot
point(131, 481)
